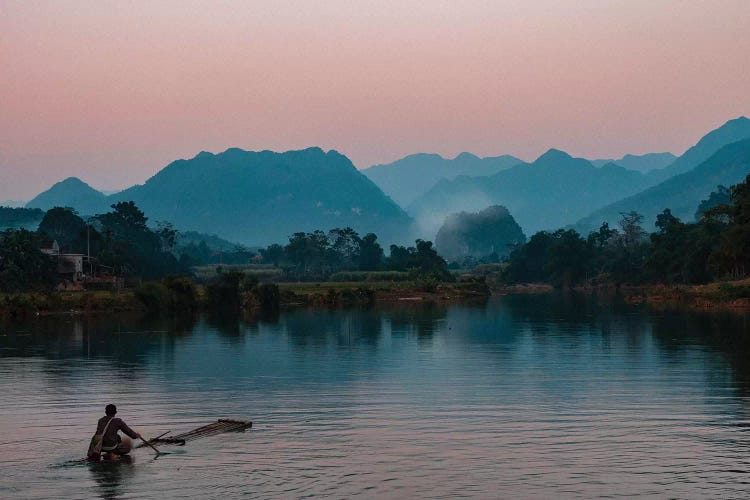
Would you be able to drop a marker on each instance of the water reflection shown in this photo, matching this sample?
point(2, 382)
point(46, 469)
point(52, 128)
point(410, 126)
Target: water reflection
point(111, 477)
point(522, 396)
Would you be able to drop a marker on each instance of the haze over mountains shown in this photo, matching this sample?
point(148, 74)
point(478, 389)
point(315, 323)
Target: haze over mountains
point(254, 198)
point(556, 190)
point(406, 179)
point(258, 198)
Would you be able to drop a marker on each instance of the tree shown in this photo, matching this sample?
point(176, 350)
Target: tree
point(732, 257)
point(66, 227)
point(716, 198)
point(422, 259)
point(273, 254)
point(370, 253)
point(22, 265)
point(344, 247)
point(130, 247)
point(567, 258)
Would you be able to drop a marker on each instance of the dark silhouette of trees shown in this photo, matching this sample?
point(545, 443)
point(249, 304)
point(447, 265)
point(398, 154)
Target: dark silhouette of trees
point(65, 226)
point(370, 253)
point(22, 265)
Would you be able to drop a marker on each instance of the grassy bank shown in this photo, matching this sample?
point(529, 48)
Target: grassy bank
point(357, 292)
point(149, 297)
point(31, 304)
point(727, 294)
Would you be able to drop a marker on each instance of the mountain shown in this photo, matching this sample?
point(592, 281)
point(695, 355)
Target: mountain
point(257, 198)
point(493, 230)
point(732, 131)
point(551, 192)
point(641, 163)
point(71, 192)
point(682, 193)
point(408, 178)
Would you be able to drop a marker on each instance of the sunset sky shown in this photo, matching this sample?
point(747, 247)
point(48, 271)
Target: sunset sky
point(112, 91)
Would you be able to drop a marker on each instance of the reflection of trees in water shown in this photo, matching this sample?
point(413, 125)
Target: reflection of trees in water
point(109, 477)
point(226, 323)
point(725, 332)
point(316, 328)
point(123, 341)
point(577, 316)
point(422, 320)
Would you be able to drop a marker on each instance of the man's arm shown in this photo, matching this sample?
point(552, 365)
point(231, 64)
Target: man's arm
point(130, 432)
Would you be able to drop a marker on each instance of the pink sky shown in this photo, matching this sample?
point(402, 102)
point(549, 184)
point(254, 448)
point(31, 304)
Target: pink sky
point(112, 91)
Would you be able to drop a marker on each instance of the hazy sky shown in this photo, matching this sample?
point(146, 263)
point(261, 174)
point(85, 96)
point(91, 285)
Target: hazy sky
point(112, 91)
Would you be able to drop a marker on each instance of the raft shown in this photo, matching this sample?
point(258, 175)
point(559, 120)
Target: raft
point(219, 427)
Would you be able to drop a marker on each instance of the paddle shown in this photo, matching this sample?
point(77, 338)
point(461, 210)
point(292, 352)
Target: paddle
point(152, 446)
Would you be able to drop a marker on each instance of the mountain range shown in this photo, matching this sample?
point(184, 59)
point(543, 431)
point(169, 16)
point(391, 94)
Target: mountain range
point(557, 190)
point(681, 193)
point(262, 197)
point(548, 193)
point(407, 179)
point(255, 198)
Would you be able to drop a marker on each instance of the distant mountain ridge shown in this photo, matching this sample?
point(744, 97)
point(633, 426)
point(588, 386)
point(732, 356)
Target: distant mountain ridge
point(731, 131)
point(255, 198)
point(406, 179)
point(549, 192)
point(545, 194)
point(640, 163)
point(682, 193)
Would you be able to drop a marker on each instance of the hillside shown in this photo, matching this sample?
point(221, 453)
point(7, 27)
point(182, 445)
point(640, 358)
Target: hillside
point(554, 190)
point(682, 193)
point(732, 131)
point(407, 179)
point(257, 198)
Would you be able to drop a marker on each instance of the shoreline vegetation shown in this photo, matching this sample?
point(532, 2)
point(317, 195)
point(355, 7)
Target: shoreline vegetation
point(729, 295)
point(136, 267)
point(264, 299)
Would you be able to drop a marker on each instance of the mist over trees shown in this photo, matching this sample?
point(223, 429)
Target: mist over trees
point(492, 231)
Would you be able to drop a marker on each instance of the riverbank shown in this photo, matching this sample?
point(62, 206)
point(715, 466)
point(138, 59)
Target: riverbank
point(722, 295)
point(302, 294)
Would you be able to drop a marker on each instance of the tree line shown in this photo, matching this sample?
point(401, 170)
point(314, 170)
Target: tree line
point(715, 247)
point(317, 255)
point(122, 242)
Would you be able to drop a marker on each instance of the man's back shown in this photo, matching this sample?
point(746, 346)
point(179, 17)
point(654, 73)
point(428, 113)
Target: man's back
point(116, 424)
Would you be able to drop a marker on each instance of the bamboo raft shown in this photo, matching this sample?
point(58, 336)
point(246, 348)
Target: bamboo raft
point(219, 427)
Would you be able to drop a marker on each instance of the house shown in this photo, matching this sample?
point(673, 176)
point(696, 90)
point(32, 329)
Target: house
point(70, 266)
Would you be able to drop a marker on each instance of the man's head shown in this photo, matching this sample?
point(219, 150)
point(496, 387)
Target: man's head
point(110, 410)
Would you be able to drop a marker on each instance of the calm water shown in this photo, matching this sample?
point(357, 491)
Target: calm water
point(524, 397)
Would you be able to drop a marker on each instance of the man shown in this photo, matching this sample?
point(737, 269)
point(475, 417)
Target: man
point(113, 446)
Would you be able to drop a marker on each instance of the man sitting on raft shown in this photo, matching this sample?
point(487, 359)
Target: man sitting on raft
point(113, 446)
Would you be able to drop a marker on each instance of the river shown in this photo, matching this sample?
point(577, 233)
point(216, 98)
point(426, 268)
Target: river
point(524, 397)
